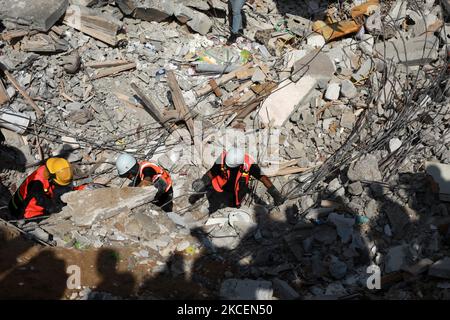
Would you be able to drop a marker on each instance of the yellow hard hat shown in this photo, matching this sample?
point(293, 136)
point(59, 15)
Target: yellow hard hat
point(60, 170)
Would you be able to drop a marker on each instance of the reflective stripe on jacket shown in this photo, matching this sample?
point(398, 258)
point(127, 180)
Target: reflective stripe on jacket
point(244, 172)
point(160, 173)
point(31, 208)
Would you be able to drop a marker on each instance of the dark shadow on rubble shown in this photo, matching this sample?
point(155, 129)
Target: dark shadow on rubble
point(313, 10)
point(113, 282)
point(42, 277)
point(173, 283)
point(12, 158)
point(66, 151)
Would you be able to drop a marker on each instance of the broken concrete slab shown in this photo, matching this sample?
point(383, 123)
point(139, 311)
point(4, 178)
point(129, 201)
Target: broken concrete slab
point(363, 71)
point(413, 52)
point(365, 169)
point(197, 21)
point(288, 95)
point(87, 206)
point(246, 289)
point(36, 14)
point(394, 144)
point(315, 64)
point(333, 91)
point(441, 175)
point(148, 10)
point(348, 89)
point(441, 268)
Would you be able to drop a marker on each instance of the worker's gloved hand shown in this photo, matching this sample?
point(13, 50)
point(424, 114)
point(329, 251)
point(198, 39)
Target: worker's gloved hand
point(200, 185)
point(276, 195)
point(161, 185)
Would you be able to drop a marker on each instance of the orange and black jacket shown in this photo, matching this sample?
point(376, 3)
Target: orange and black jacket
point(234, 180)
point(37, 196)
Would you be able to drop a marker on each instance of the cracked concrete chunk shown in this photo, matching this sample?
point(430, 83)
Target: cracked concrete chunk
point(365, 169)
point(87, 206)
point(279, 105)
point(412, 52)
point(314, 64)
point(36, 14)
point(147, 10)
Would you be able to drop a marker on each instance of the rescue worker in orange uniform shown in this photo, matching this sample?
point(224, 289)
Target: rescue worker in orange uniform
point(147, 173)
point(40, 193)
point(227, 181)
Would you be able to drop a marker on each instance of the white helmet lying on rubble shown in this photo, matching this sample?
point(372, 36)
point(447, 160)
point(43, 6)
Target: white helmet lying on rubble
point(124, 163)
point(235, 157)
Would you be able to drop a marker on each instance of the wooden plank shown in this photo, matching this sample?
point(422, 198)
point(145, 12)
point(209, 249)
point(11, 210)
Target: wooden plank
point(14, 34)
point(222, 80)
point(105, 72)
point(245, 74)
point(93, 23)
point(106, 64)
point(150, 106)
point(215, 88)
point(179, 103)
point(23, 93)
point(4, 97)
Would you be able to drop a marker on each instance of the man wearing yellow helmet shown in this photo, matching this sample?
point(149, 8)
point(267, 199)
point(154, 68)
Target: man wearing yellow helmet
point(39, 193)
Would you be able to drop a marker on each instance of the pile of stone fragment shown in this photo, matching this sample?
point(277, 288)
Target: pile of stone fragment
point(357, 91)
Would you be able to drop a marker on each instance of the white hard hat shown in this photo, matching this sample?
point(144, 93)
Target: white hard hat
point(124, 163)
point(234, 158)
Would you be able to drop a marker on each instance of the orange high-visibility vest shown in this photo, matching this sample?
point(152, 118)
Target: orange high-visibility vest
point(33, 209)
point(244, 172)
point(160, 173)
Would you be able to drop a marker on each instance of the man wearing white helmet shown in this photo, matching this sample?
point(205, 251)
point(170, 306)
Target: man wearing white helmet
point(229, 178)
point(144, 174)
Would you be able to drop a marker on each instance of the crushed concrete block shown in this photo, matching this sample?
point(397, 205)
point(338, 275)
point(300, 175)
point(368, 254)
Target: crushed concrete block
point(440, 269)
point(363, 71)
point(348, 89)
point(396, 258)
point(246, 289)
point(441, 175)
point(258, 76)
point(284, 289)
point(87, 206)
point(197, 4)
point(365, 169)
point(315, 65)
point(355, 188)
point(332, 92)
point(315, 41)
point(148, 10)
point(394, 144)
point(36, 14)
point(197, 21)
point(348, 119)
point(413, 52)
point(374, 23)
point(288, 95)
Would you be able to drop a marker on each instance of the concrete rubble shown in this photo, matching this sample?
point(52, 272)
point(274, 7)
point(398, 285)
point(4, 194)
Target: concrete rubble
point(361, 123)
